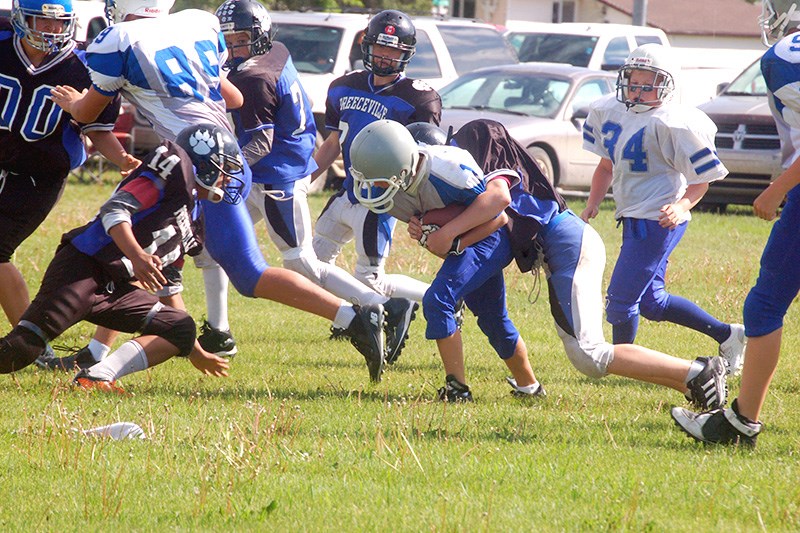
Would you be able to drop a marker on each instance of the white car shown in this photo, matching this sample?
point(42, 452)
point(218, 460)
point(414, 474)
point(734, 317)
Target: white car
point(592, 45)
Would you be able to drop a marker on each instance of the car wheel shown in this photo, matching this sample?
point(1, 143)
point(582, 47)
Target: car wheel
point(542, 159)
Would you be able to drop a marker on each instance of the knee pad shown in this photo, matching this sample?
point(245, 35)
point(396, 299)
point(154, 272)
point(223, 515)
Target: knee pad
point(326, 250)
point(439, 316)
point(761, 315)
point(19, 349)
point(652, 308)
point(619, 313)
point(592, 360)
point(502, 335)
point(174, 326)
point(375, 278)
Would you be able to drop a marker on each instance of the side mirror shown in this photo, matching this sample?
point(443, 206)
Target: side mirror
point(579, 114)
point(722, 86)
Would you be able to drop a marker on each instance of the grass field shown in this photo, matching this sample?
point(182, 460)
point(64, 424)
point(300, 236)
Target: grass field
point(298, 439)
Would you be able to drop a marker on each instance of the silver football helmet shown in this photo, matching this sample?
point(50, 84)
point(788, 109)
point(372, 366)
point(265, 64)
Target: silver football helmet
point(778, 18)
point(651, 57)
point(384, 159)
point(117, 10)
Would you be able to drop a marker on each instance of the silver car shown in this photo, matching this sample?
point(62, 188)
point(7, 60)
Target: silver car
point(747, 140)
point(543, 106)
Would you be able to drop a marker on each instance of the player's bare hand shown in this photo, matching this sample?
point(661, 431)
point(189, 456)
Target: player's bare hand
point(438, 243)
point(147, 269)
point(64, 96)
point(767, 203)
point(415, 228)
point(671, 215)
point(208, 363)
point(129, 164)
point(589, 213)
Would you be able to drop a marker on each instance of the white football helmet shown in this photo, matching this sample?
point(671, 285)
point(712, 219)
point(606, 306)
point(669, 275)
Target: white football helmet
point(651, 57)
point(384, 158)
point(117, 10)
point(778, 17)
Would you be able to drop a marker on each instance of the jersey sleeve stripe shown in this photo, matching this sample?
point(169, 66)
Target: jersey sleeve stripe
point(708, 166)
point(700, 154)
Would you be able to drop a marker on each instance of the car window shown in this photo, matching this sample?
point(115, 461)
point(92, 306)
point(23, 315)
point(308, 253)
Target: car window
point(588, 92)
point(554, 47)
point(313, 48)
point(748, 83)
point(647, 39)
point(473, 47)
point(424, 64)
point(615, 54)
point(535, 95)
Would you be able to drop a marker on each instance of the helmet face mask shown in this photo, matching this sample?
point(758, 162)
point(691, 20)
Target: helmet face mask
point(236, 16)
point(389, 29)
point(27, 17)
point(652, 68)
point(214, 154)
point(117, 10)
point(384, 159)
point(778, 18)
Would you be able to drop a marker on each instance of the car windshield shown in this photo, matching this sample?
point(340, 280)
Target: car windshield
point(533, 94)
point(748, 83)
point(313, 48)
point(553, 47)
point(474, 47)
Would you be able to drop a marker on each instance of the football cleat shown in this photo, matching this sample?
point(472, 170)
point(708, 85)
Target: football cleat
point(84, 381)
point(47, 355)
point(454, 391)
point(367, 333)
point(732, 350)
point(709, 388)
point(720, 426)
point(530, 391)
point(80, 360)
point(400, 312)
point(217, 341)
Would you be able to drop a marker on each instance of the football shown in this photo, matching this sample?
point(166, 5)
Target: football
point(443, 215)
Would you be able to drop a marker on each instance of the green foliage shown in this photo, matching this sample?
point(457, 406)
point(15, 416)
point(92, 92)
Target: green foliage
point(297, 439)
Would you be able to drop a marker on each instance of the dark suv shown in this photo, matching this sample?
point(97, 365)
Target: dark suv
point(747, 140)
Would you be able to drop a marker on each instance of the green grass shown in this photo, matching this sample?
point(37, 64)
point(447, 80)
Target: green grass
point(297, 439)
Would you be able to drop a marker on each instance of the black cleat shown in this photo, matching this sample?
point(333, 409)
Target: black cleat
point(366, 333)
point(720, 426)
point(217, 341)
point(400, 312)
point(526, 392)
point(79, 360)
point(709, 388)
point(454, 391)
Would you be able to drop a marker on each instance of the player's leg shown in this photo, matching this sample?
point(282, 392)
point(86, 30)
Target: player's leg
point(331, 233)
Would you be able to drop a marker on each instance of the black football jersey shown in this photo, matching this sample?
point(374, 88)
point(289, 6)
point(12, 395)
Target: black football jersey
point(161, 194)
point(37, 138)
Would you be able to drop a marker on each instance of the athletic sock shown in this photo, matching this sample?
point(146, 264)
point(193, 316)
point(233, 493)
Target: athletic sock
point(127, 359)
point(98, 350)
point(344, 316)
point(681, 311)
point(216, 285)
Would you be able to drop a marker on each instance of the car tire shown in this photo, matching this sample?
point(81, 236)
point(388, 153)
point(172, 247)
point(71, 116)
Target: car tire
point(542, 159)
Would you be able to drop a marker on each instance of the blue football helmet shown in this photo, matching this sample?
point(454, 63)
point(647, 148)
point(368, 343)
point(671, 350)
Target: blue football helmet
point(27, 16)
point(214, 154)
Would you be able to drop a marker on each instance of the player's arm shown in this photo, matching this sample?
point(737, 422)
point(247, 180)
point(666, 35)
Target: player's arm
point(486, 206)
point(259, 146)
point(673, 214)
point(601, 181)
point(327, 154)
point(233, 97)
point(767, 203)
point(107, 144)
point(84, 106)
point(146, 267)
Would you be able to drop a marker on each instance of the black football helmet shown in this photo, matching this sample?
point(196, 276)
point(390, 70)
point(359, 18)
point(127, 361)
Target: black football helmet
point(214, 152)
point(427, 133)
point(250, 16)
point(393, 29)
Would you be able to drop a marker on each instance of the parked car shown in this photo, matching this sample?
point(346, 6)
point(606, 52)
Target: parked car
point(325, 46)
point(543, 106)
point(591, 45)
point(747, 139)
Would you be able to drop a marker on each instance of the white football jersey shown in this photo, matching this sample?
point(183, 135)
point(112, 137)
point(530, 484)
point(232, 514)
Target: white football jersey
point(168, 67)
point(655, 154)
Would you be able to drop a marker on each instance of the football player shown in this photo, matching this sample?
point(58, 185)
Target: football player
point(39, 143)
point(778, 280)
point(276, 130)
point(392, 174)
point(102, 271)
point(382, 91)
point(660, 157)
point(169, 67)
